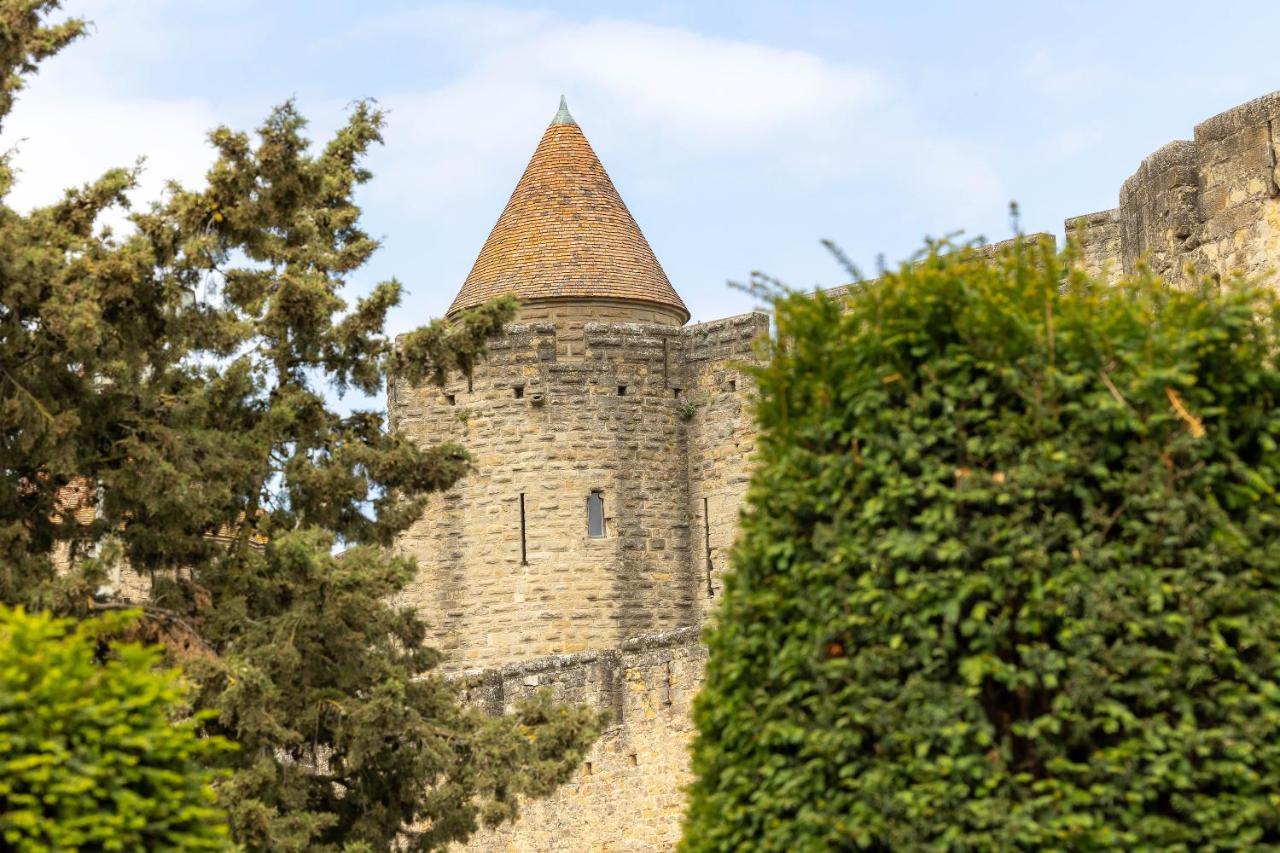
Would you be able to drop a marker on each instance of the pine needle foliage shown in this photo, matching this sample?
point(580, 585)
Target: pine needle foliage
point(170, 404)
point(1010, 574)
point(93, 753)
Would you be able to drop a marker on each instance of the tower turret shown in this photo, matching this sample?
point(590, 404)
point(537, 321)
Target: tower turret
point(574, 532)
point(567, 246)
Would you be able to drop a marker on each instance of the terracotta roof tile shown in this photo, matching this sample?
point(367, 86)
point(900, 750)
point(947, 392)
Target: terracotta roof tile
point(566, 232)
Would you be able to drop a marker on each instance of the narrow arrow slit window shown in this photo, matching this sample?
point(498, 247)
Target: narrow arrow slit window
point(595, 515)
point(524, 544)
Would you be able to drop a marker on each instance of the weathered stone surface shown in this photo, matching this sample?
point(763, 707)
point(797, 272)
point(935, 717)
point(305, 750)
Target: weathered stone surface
point(654, 417)
point(1209, 206)
point(628, 794)
point(1099, 238)
point(658, 419)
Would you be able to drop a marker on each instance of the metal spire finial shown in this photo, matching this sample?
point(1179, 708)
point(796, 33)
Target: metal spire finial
point(562, 114)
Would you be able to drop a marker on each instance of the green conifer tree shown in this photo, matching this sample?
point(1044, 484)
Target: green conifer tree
point(182, 375)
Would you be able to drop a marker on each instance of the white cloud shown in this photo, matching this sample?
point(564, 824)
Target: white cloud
point(715, 90)
point(72, 122)
point(672, 79)
point(694, 96)
point(65, 140)
point(669, 103)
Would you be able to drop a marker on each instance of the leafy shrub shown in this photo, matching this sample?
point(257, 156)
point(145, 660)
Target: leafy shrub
point(90, 754)
point(1010, 573)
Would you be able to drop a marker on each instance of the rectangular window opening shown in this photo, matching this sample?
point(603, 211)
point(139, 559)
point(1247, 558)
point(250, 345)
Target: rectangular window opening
point(676, 392)
point(595, 515)
point(524, 549)
point(622, 390)
point(519, 391)
point(733, 385)
point(451, 399)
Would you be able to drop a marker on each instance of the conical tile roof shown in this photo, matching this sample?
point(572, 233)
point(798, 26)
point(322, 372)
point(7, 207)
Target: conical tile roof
point(566, 233)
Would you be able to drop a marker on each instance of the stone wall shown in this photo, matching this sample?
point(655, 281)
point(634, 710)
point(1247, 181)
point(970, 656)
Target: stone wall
point(555, 429)
point(628, 795)
point(653, 416)
point(1099, 239)
point(656, 417)
point(1210, 205)
point(570, 317)
point(721, 438)
point(1239, 181)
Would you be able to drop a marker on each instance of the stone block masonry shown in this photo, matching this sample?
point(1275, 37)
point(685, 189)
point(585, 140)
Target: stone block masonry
point(720, 433)
point(599, 398)
point(1208, 206)
point(628, 795)
point(652, 418)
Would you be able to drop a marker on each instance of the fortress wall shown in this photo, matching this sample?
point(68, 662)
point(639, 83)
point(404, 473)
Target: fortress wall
point(628, 794)
point(1158, 210)
point(1238, 160)
point(570, 433)
point(1099, 238)
point(571, 316)
point(721, 437)
point(991, 251)
point(1211, 205)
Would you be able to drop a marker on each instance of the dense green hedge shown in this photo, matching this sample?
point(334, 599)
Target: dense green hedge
point(90, 755)
point(1010, 574)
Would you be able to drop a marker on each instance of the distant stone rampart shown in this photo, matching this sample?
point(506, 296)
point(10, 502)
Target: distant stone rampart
point(617, 400)
point(1209, 205)
point(628, 795)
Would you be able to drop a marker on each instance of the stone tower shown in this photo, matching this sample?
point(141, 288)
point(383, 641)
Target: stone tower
point(613, 444)
point(610, 440)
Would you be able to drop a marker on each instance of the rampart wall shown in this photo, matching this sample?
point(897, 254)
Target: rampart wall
point(1209, 205)
point(659, 419)
point(628, 795)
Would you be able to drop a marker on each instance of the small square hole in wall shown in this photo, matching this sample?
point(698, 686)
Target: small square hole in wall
point(633, 759)
point(677, 392)
point(586, 769)
point(518, 390)
point(733, 385)
point(622, 390)
point(451, 399)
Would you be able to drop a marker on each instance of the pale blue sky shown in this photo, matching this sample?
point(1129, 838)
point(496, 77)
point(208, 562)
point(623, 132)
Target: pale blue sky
point(738, 133)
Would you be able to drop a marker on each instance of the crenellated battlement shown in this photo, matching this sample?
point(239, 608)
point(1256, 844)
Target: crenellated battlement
point(648, 422)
